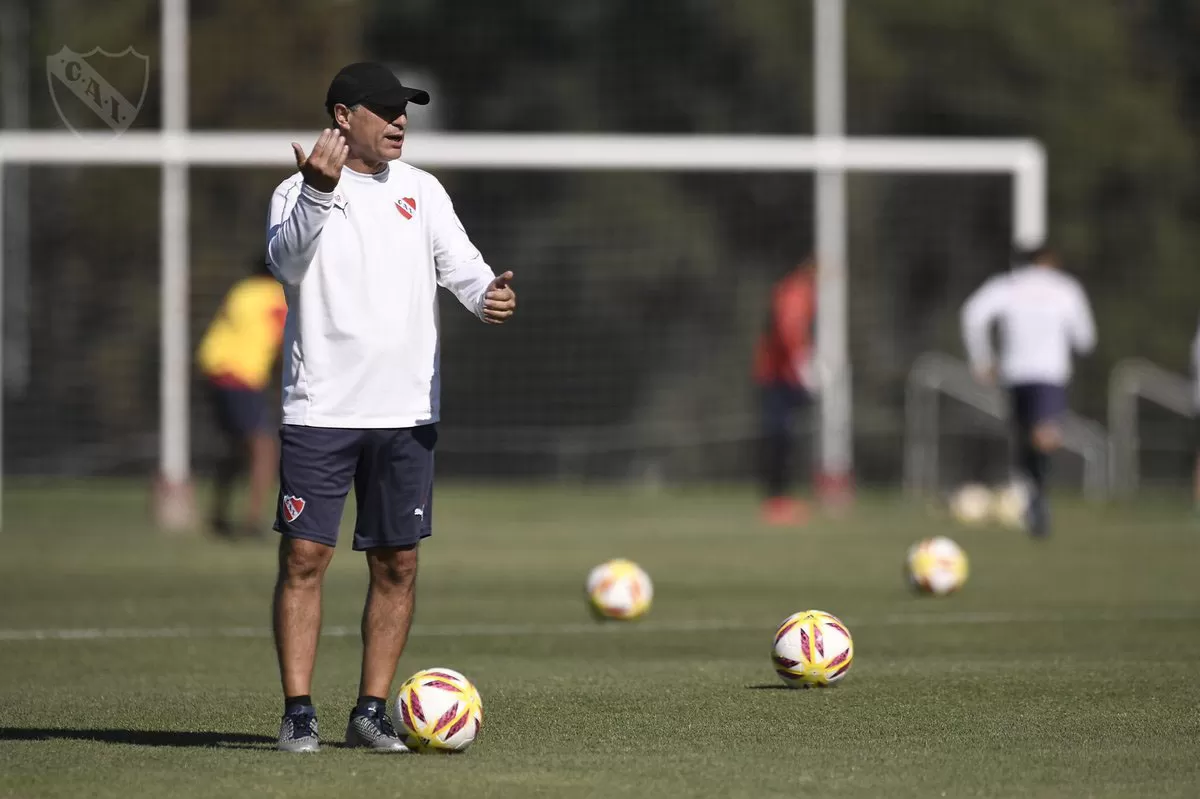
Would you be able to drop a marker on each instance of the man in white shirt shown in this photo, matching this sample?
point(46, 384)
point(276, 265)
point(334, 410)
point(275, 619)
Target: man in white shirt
point(361, 242)
point(1043, 317)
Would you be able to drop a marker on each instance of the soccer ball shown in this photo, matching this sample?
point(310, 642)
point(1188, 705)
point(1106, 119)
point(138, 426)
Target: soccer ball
point(440, 710)
point(1010, 504)
point(937, 566)
point(812, 648)
point(971, 504)
point(619, 589)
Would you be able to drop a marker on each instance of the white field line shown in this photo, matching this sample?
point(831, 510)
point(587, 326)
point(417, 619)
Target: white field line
point(519, 630)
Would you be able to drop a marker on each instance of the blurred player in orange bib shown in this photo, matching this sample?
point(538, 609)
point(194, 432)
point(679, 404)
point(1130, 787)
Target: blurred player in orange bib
point(237, 355)
point(783, 372)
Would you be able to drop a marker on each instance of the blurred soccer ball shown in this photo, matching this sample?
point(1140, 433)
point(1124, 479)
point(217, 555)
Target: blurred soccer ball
point(937, 566)
point(1010, 503)
point(812, 648)
point(619, 589)
point(971, 504)
point(440, 711)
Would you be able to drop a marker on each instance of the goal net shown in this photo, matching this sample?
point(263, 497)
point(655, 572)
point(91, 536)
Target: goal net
point(643, 266)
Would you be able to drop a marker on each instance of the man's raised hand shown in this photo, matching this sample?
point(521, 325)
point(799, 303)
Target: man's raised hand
point(323, 167)
point(499, 301)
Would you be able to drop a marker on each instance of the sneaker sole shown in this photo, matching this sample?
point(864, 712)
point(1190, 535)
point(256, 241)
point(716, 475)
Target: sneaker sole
point(400, 750)
point(354, 742)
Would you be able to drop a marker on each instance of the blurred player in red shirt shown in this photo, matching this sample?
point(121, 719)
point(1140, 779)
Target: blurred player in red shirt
point(783, 372)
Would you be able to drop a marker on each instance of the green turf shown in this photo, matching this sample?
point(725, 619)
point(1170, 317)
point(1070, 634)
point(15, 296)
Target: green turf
point(1065, 668)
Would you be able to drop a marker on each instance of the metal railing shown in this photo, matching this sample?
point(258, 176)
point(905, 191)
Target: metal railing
point(1133, 379)
point(934, 374)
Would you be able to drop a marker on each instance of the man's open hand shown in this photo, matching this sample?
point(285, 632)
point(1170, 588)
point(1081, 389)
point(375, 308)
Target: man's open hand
point(323, 167)
point(499, 301)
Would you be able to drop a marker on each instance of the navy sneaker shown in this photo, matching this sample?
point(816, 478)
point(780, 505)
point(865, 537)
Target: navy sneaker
point(298, 731)
point(371, 728)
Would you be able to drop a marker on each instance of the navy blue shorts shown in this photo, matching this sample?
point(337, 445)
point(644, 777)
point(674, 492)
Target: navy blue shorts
point(392, 474)
point(241, 412)
point(1036, 403)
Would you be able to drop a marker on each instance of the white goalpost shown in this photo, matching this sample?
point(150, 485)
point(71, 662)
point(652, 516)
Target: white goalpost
point(176, 151)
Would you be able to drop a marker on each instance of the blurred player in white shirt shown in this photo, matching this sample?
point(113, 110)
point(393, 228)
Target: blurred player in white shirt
point(1043, 317)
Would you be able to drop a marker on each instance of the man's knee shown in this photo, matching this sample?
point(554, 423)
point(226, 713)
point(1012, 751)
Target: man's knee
point(1047, 437)
point(302, 562)
point(393, 567)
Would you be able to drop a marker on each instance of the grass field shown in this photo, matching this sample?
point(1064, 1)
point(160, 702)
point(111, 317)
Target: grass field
point(133, 664)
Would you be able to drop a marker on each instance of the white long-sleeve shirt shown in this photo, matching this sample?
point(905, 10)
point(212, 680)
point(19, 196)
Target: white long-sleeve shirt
point(360, 268)
point(1043, 315)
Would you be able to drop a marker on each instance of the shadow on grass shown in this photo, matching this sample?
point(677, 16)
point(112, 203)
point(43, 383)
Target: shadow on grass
point(770, 686)
point(226, 740)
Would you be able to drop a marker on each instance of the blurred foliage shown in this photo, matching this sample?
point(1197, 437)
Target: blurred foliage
point(1112, 92)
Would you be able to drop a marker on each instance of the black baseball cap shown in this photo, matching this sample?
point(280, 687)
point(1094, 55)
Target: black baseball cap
point(368, 81)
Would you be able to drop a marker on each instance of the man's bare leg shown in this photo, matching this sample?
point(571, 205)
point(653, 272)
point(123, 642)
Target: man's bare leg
point(387, 616)
point(264, 466)
point(297, 611)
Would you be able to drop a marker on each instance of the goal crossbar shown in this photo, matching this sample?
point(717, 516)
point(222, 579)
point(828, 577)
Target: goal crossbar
point(1023, 159)
point(547, 150)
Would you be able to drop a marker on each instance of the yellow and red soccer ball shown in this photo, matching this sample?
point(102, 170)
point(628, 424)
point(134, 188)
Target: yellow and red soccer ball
point(937, 566)
point(812, 648)
point(619, 589)
point(439, 710)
